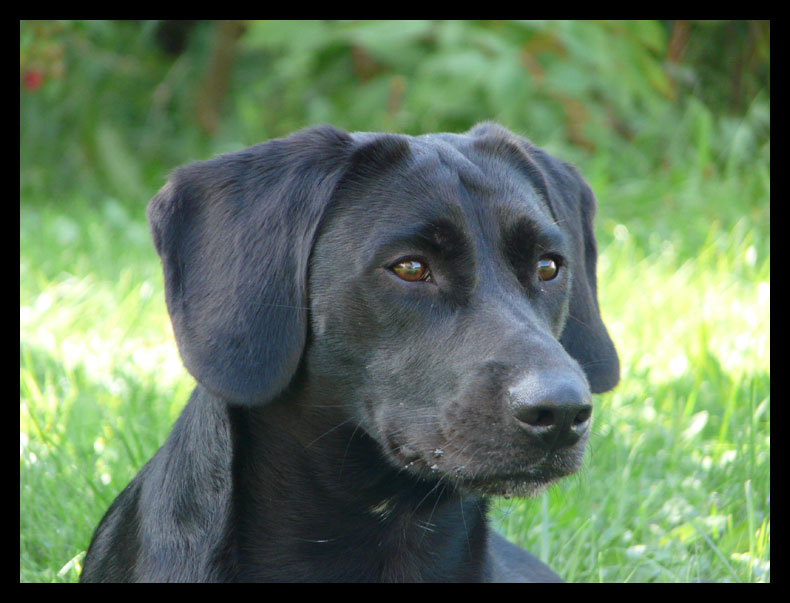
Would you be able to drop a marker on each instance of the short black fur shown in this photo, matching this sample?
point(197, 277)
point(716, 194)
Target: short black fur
point(348, 424)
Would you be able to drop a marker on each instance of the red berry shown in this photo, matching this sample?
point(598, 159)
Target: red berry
point(32, 80)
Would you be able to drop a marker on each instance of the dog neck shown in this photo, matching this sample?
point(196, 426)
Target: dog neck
point(313, 495)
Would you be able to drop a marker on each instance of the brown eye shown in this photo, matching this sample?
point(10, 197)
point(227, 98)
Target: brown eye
point(547, 269)
point(412, 270)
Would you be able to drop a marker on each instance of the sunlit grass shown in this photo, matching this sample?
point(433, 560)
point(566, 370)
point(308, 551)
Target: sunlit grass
point(100, 377)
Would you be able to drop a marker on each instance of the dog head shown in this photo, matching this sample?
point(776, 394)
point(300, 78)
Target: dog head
point(441, 290)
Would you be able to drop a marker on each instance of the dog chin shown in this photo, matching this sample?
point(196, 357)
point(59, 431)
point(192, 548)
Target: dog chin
point(507, 489)
point(527, 485)
point(524, 481)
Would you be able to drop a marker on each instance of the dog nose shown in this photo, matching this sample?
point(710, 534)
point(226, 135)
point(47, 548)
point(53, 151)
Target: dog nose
point(555, 410)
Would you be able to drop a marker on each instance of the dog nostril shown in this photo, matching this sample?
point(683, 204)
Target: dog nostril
point(537, 417)
point(554, 415)
point(556, 424)
point(583, 416)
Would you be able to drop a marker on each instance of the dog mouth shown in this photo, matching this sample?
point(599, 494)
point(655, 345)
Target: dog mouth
point(523, 478)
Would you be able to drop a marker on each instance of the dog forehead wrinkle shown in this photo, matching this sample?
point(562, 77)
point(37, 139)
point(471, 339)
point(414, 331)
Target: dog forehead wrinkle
point(458, 194)
point(529, 225)
point(495, 184)
point(419, 202)
point(437, 159)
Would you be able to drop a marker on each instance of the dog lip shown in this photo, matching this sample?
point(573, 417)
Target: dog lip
point(525, 480)
point(524, 476)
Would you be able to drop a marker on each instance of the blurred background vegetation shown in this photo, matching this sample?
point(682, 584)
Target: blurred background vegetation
point(669, 121)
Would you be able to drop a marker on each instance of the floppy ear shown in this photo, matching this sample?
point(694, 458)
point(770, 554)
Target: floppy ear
point(585, 335)
point(572, 205)
point(235, 235)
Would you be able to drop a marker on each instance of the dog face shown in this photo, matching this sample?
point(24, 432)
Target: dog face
point(440, 290)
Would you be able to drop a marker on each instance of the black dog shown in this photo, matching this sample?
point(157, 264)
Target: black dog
point(384, 329)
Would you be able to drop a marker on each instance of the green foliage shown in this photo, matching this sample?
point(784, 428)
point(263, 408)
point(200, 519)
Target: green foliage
point(124, 109)
point(668, 121)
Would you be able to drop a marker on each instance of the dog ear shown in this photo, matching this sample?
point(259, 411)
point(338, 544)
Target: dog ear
point(234, 235)
point(572, 205)
point(585, 336)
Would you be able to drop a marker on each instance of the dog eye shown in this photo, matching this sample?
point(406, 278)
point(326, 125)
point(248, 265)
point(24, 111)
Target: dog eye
point(412, 270)
point(547, 268)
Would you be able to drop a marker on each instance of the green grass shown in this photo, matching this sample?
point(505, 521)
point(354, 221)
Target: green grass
point(676, 482)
